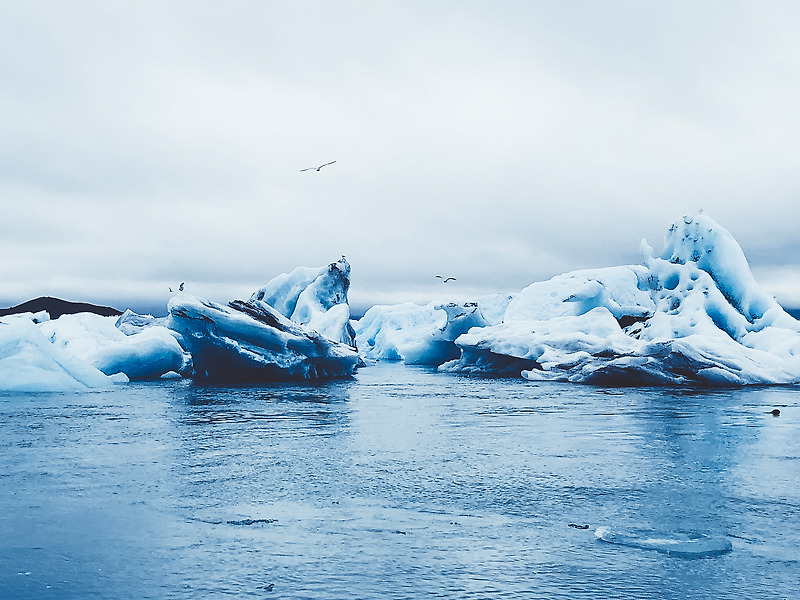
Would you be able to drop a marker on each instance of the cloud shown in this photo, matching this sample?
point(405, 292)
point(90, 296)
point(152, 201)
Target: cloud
point(147, 143)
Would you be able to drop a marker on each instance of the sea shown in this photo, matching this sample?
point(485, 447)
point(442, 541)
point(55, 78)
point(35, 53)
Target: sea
point(400, 483)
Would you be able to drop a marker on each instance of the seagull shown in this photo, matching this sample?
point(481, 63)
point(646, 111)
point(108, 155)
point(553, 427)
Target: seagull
point(180, 287)
point(446, 279)
point(317, 168)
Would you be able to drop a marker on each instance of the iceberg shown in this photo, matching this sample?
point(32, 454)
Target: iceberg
point(131, 323)
point(252, 341)
point(693, 315)
point(315, 297)
point(29, 362)
point(113, 345)
point(424, 334)
point(295, 327)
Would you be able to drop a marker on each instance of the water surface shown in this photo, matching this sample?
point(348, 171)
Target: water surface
point(401, 483)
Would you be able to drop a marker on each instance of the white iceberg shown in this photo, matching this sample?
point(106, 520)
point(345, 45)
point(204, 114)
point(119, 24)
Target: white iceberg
point(693, 315)
point(147, 352)
point(252, 341)
point(130, 322)
point(424, 334)
point(315, 297)
point(30, 363)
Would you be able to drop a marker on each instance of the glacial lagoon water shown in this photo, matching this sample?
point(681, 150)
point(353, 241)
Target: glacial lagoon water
point(400, 483)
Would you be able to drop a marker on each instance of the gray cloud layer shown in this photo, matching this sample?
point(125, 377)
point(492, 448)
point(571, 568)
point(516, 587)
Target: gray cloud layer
point(147, 143)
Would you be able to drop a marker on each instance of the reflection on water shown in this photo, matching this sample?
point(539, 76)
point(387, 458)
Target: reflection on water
point(401, 483)
point(310, 404)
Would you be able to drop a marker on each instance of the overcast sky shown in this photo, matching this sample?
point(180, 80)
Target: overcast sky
point(147, 143)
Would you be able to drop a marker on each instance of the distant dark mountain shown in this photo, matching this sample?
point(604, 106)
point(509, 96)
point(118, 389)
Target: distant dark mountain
point(56, 307)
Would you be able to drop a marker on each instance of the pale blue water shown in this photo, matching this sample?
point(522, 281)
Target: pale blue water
point(402, 483)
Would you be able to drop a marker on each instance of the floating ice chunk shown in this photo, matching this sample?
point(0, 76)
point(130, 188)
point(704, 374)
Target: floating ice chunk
point(424, 334)
point(578, 292)
point(146, 354)
point(493, 307)
point(283, 291)
point(674, 543)
point(253, 341)
point(700, 240)
point(315, 297)
point(29, 362)
point(130, 322)
point(398, 331)
point(540, 345)
point(694, 315)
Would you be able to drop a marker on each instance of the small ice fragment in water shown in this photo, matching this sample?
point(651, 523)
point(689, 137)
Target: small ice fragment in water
point(674, 543)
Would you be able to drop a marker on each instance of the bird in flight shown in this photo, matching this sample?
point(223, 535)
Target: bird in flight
point(446, 279)
point(317, 168)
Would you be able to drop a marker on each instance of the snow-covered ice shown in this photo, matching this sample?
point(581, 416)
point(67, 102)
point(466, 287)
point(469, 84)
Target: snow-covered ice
point(79, 351)
point(694, 314)
point(315, 297)
point(295, 327)
point(244, 340)
point(424, 334)
point(251, 340)
point(29, 362)
point(146, 352)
